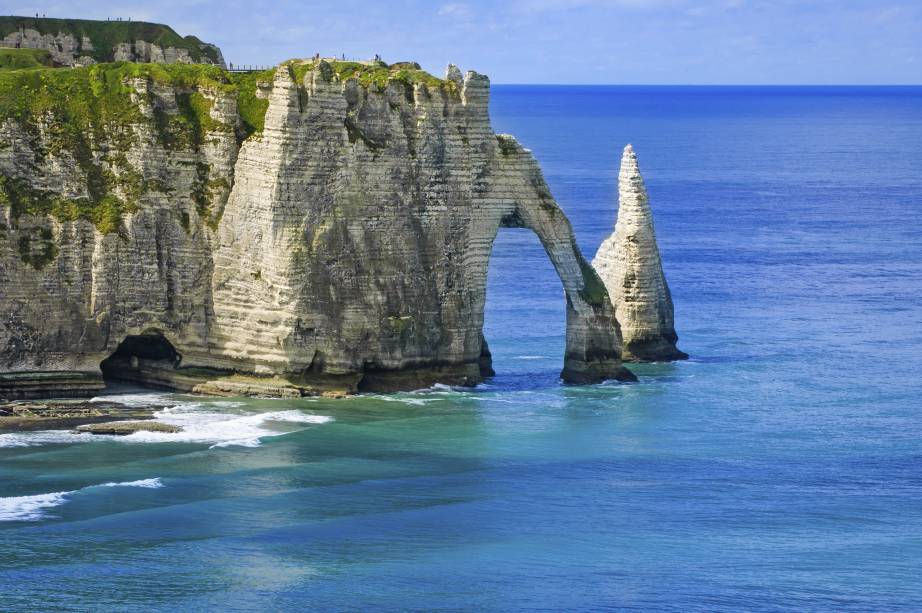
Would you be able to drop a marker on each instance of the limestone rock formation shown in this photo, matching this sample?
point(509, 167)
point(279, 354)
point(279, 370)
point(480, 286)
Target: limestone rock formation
point(629, 264)
point(78, 42)
point(323, 227)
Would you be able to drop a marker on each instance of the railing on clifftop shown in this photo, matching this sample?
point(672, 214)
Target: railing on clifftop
point(247, 68)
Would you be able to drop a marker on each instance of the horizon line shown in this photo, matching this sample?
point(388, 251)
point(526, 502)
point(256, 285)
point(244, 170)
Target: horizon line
point(492, 83)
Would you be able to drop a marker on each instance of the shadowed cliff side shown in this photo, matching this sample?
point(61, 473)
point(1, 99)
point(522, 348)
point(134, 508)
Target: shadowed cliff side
point(629, 264)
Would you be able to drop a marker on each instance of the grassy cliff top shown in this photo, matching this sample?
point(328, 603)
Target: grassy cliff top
point(17, 59)
point(28, 93)
point(373, 73)
point(90, 114)
point(105, 35)
point(95, 97)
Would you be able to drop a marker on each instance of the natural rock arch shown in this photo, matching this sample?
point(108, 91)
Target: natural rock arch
point(593, 339)
point(342, 248)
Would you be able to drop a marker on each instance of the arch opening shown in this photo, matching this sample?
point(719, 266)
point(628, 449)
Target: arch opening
point(139, 358)
point(524, 326)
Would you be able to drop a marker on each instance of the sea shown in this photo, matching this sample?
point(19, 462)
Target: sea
point(778, 469)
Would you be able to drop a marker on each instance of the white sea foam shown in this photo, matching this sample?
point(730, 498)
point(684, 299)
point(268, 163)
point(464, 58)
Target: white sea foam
point(41, 437)
point(34, 508)
point(403, 399)
point(531, 357)
point(220, 424)
point(148, 483)
point(30, 508)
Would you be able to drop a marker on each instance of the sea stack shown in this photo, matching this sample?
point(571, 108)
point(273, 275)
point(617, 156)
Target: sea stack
point(629, 264)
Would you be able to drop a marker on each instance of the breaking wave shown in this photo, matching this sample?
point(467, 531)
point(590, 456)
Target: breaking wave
point(217, 423)
point(35, 508)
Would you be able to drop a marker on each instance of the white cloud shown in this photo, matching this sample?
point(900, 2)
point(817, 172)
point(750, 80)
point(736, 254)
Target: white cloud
point(454, 9)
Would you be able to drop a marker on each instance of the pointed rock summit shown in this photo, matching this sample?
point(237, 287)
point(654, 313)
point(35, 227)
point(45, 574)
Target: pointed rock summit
point(628, 262)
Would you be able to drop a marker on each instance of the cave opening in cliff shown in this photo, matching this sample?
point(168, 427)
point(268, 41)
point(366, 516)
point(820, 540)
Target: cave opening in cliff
point(525, 310)
point(142, 359)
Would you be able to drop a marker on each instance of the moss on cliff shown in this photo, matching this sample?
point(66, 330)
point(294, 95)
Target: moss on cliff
point(17, 59)
point(37, 248)
point(251, 108)
point(90, 115)
point(593, 290)
point(98, 100)
point(105, 212)
point(106, 35)
point(374, 73)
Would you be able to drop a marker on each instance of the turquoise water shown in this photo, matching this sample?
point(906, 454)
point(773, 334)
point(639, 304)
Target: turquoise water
point(779, 469)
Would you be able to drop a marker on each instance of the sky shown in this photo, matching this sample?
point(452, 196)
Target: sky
point(560, 41)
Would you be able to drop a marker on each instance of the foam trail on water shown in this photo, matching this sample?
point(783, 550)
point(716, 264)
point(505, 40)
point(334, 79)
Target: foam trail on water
point(222, 429)
point(30, 508)
point(148, 483)
point(33, 508)
point(217, 423)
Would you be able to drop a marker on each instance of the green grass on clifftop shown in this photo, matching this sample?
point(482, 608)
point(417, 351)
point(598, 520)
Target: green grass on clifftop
point(374, 73)
point(251, 108)
point(90, 115)
point(106, 35)
point(17, 59)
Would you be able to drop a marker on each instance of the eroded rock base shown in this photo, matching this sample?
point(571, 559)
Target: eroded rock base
point(660, 349)
point(59, 384)
point(588, 373)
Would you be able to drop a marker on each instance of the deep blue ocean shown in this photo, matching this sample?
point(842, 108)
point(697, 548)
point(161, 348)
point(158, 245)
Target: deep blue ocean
point(778, 469)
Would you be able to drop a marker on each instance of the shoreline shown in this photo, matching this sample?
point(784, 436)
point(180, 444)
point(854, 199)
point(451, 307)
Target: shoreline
point(61, 414)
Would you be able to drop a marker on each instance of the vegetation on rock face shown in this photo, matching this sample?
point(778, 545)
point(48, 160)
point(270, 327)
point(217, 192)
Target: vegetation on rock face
point(17, 59)
point(105, 212)
point(90, 114)
point(374, 73)
point(37, 248)
point(593, 291)
point(106, 35)
point(507, 145)
point(250, 107)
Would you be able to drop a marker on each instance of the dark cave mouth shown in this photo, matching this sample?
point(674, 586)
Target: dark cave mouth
point(136, 356)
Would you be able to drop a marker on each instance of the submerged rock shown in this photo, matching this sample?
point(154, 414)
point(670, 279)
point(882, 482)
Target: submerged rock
point(629, 264)
point(124, 428)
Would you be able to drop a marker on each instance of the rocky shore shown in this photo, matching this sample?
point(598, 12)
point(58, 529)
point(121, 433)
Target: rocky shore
point(22, 416)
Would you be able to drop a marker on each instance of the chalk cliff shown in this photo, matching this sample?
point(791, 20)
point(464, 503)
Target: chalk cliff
point(629, 264)
point(82, 41)
point(323, 227)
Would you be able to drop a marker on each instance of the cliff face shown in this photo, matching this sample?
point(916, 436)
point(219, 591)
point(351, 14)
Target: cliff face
point(629, 264)
point(323, 227)
point(81, 41)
